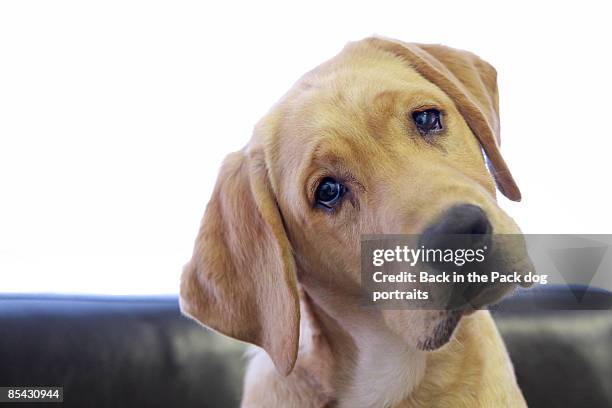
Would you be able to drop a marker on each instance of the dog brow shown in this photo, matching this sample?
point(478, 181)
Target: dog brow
point(332, 150)
point(382, 110)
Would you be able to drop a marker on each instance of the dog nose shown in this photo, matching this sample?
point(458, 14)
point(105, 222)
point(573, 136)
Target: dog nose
point(463, 226)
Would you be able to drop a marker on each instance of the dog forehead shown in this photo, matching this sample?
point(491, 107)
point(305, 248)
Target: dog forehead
point(342, 93)
point(334, 106)
point(362, 56)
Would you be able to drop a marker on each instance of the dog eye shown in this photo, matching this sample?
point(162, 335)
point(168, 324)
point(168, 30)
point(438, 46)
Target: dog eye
point(329, 192)
point(428, 121)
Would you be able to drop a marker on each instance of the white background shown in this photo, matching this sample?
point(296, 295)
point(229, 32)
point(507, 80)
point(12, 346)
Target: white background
point(115, 116)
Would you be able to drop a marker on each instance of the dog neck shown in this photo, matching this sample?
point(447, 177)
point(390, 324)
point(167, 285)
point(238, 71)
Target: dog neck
point(366, 365)
point(371, 366)
point(351, 361)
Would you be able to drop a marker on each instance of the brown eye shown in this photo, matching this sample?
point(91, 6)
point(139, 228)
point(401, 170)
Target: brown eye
point(428, 121)
point(329, 192)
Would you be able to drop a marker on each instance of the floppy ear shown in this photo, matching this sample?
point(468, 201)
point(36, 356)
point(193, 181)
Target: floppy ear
point(472, 85)
point(241, 280)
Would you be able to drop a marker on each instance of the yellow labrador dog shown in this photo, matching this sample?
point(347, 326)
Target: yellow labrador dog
point(385, 138)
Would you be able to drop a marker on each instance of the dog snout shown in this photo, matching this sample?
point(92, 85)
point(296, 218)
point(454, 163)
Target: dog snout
point(460, 228)
point(463, 226)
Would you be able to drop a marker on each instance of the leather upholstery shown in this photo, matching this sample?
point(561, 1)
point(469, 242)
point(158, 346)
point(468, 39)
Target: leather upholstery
point(139, 351)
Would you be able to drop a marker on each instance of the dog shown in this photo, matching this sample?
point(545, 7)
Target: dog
point(385, 138)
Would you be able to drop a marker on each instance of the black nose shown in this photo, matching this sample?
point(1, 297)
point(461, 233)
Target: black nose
point(463, 226)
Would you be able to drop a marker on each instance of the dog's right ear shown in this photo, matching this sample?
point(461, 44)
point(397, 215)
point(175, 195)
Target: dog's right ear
point(241, 280)
point(472, 84)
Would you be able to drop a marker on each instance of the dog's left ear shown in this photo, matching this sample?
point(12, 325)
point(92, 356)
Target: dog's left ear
point(241, 280)
point(472, 84)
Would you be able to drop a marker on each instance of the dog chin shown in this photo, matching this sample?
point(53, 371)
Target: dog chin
point(443, 331)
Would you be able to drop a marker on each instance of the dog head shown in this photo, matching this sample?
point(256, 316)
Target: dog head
point(386, 138)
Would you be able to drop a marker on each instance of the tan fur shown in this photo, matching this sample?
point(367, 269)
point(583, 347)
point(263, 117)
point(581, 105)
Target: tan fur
point(271, 269)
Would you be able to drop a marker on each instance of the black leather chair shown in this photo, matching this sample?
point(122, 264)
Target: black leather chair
point(139, 351)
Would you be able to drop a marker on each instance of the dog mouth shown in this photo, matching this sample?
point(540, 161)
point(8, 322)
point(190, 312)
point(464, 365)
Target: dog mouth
point(446, 326)
point(442, 332)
